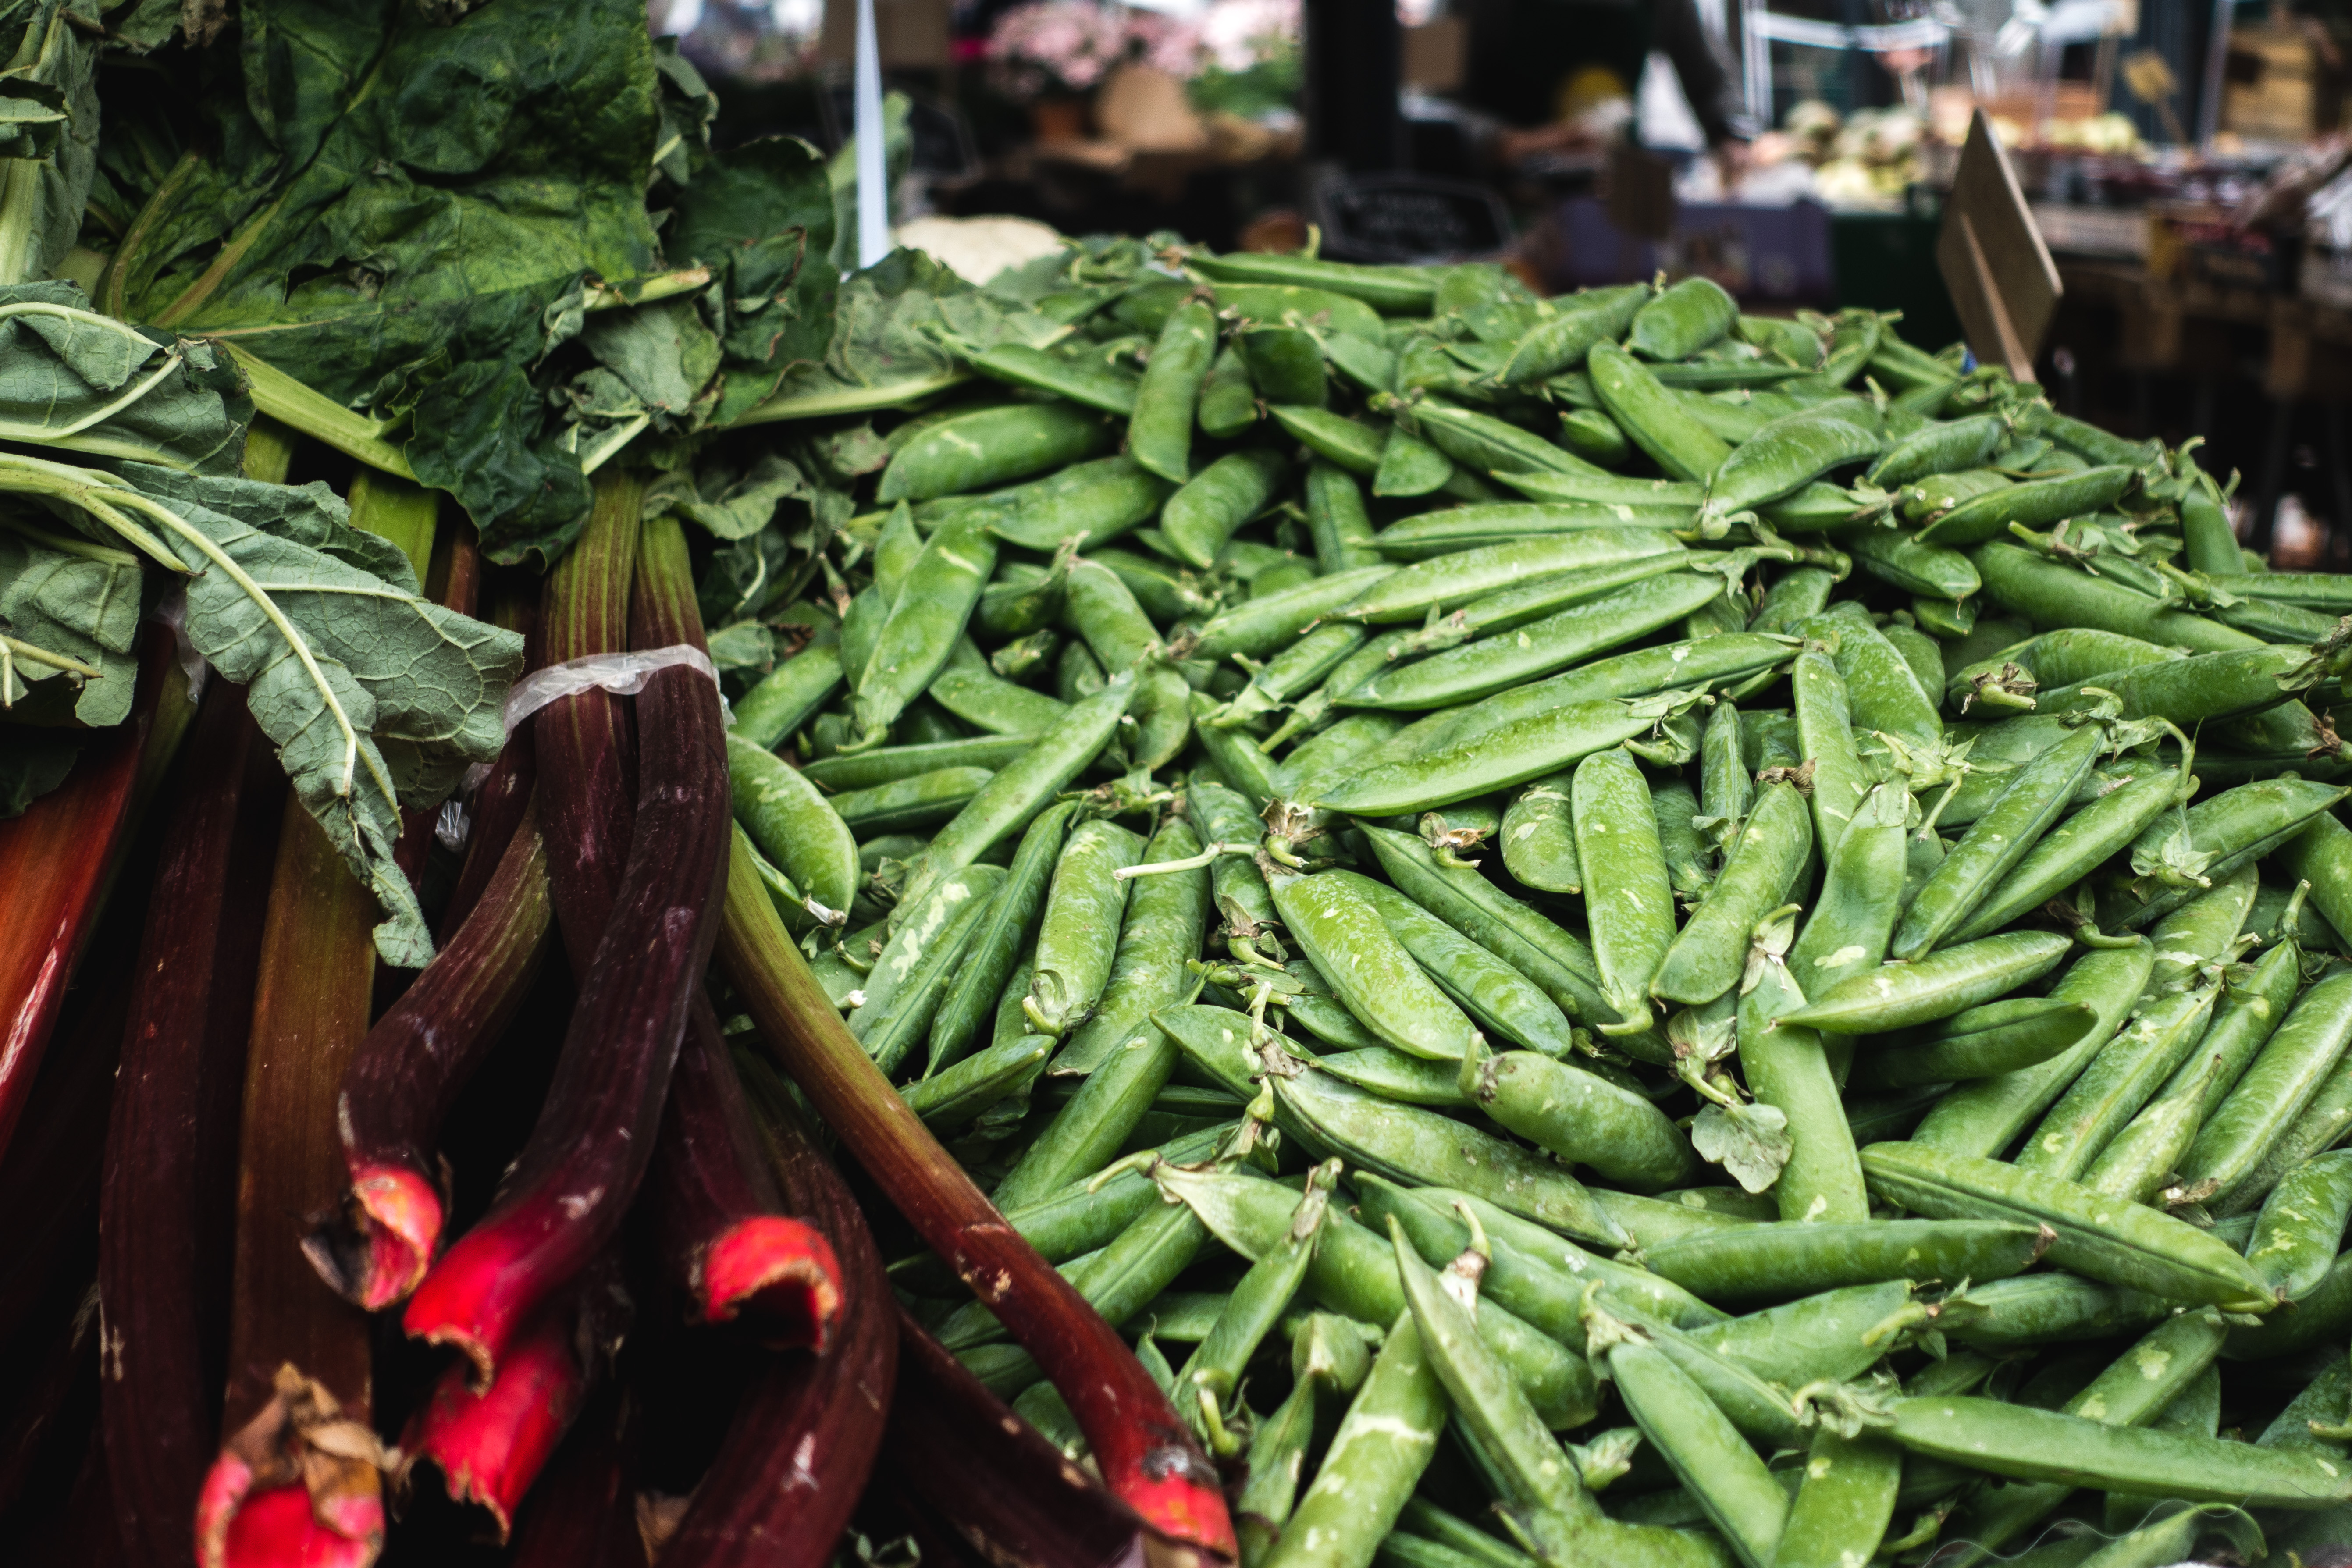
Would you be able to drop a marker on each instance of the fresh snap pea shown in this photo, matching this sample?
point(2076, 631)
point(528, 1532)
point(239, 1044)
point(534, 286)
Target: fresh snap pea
point(1084, 906)
point(2052, 594)
point(976, 694)
point(2139, 1162)
point(995, 947)
point(1251, 301)
point(792, 824)
point(1707, 1454)
point(1594, 436)
point(1559, 342)
point(1462, 576)
point(1353, 946)
point(1948, 981)
point(1628, 901)
point(1396, 291)
point(1983, 1042)
point(1690, 858)
point(1777, 1262)
point(2189, 691)
point(2236, 827)
point(2295, 1061)
point(860, 624)
point(1705, 958)
point(1796, 594)
point(2322, 1124)
point(1852, 917)
point(1206, 510)
point(787, 697)
point(1261, 626)
point(1207, 1385)
point(1411, 465)
point(1228, 402)
point(1681, 321)
point(2066, 852)
point(1511, 754)
point(1097, 501)
point(1995, 843)
point(916, 934)
point(1329, 1359)
point(1929, 499)
point(1488, 444)
point(1018, 364)
point(1236, 756)
point(1383, 1444)
point(2250, 1008)
point(1539, 838)
point(1845, 1503)
point(1285, 364)
point(2301, 1226)
point(2115, 1088)
point(1159, 432)
point(1499, 997)
point(1373, 366)
point(1727, 788)
point(2036, 503)
point(1598, 488)
point(889, 1031)
point(918, 801)
point(1581, 1117)
point(1650, 415)
point(1785, 455)
point(1908, 562)
point(1344, 745)
point(2101, 1237)
point(1394, 1075)
point(890, 764)
point(1943, 447)
point(990, 446)
point(2321, 855)
point(1823, 1335)
point(1337, 520)
point(1334, 438)
point(1791, 1069)
point(2034, 1310)
point(1645, 672)
point(1825, 732)
point(952, 1099)
point(2032, 1445)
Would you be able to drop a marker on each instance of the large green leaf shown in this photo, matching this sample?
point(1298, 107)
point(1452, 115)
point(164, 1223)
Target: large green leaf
point(74, 379)
point(48, 130)
point(80, 600)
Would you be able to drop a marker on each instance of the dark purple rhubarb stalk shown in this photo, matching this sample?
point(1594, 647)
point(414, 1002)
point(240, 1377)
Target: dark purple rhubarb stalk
point(802, 1443)
point(497, 805)
point(573, 1184)
point(374, 1249)
point(989, 1475)
point(725, 1240)
point(169, 1205)
point(583, 1514)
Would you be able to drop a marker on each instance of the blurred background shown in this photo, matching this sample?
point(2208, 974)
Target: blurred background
point(2186, 160)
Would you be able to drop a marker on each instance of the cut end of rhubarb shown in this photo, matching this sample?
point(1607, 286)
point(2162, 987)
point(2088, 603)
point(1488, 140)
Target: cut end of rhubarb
point(489, 1446)
point(276, 1529)
point(779, 1273)
point(298, 1485)
point(376, 1251)
point(1177, 1493)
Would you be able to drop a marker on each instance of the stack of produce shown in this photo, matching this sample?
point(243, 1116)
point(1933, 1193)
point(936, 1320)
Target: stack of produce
point(1432, 926)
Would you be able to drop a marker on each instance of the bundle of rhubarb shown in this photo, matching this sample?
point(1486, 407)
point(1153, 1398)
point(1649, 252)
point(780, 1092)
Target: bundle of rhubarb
point(1358, 916)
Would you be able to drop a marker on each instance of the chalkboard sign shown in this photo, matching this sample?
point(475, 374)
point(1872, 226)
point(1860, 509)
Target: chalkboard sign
point(1409, 218)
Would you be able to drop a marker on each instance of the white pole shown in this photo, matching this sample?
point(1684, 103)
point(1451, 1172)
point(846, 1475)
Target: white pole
point(873, 176)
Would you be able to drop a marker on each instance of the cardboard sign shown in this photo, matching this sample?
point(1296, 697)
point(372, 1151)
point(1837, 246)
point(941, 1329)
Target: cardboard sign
point(1399, 218)
point(2003, 283)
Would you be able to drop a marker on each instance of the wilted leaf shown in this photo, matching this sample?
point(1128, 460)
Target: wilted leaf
point(1750, 1142)
point(76, 599)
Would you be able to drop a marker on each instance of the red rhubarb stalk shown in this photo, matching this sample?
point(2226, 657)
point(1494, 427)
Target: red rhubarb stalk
point(583, 1514)
point(803, 1444)
point(726, 1241)
point(575, 1178)
point(297, 1486)
point(375, 1247)
point(168, 1211)
point(989, 1476)
point(56, 859)
point(1146, 1455)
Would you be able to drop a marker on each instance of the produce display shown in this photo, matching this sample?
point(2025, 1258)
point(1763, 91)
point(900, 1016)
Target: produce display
point(1190, 905)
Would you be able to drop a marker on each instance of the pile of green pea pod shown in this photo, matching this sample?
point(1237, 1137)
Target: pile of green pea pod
point(1616, 933)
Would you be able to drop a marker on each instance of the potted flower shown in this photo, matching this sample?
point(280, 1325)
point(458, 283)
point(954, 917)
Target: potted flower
point(1050, 54)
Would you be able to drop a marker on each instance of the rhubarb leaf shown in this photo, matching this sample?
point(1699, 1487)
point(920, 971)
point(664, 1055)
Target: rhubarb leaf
point(76, 599)
point(48, 131)
point(73, 378)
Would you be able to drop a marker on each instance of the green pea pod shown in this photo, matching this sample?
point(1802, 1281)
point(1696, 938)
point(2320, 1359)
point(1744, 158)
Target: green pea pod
point(917, 935)
point(1373, 366)
point(1792, 341)
point(904, 805)
point(1727, 788)
point(2297, 1059)
point(1628, 900)
point(1852, 919)
point(1796, 594)
point(1924, 500)
point(1778, 1262)
point(1594, 436)
point(1437, 535)
point(2322, 1124)
point(2113, 1090)
point(1460, 577)
point(1334, 438)
point(1842, 1510)
point(1817, 508)
point(2301, 1227)
point(1023, 601)
point(1883, 694)
point(955, 1097)
point(1263, 626)
point(2117, 1244)
point(889, 1031)
point(1852, 344)
point(1948, 981)
point(2189, 691)
point(2052, 594)
point(1392, 1075)
point(1337, 520)
point(1649, 414)
point(1229, 403)
point(1825, 731)
point(1285, 364)
point(1581, 1117)
point(1330, 1359)
point(1395, 290)
point(1160, 433)
point(1681, 321)
point(1821, 1336)
point(2071, 850)
point(1201, 516)
point(1342, 746)
point(991, 446)
point(1383, 1444)
point(1489, 444)
point(1560, 341)
point(1699, 1443)
point(889, 764)
point(1943, 447)
point(1604, 488)
point(2250, 1010)
point(1097, 501)
point(2235, 827)
point(1018, 364)
point(1411, 466)
point(1996, 842)
point(1250, 302)
point(1084, 906)
point(860, 625)
point(1792, 1069)
point(1207, 1384)
point(793, 824)
point(1690, 859)
point(1539, 838)
point(2321, 854)
point(1705, 959)
point(943, 585)
point(1370, 970)
point(995, 948)
point(2139, 1162)
point(1785, 455)
point(1518, 935)
point(1534, 1273)
point(1910, 562)
point(788, 696)
point(1983, 1042)
point(1499, 998)
point(1510, 755)
point(1906, 369)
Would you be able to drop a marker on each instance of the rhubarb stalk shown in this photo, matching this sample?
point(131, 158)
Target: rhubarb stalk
point(575, 1178)
point(802, 1443)
point(168, 1210)
point(408, 1074)
point(1146, 1455)
point(56, 859)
